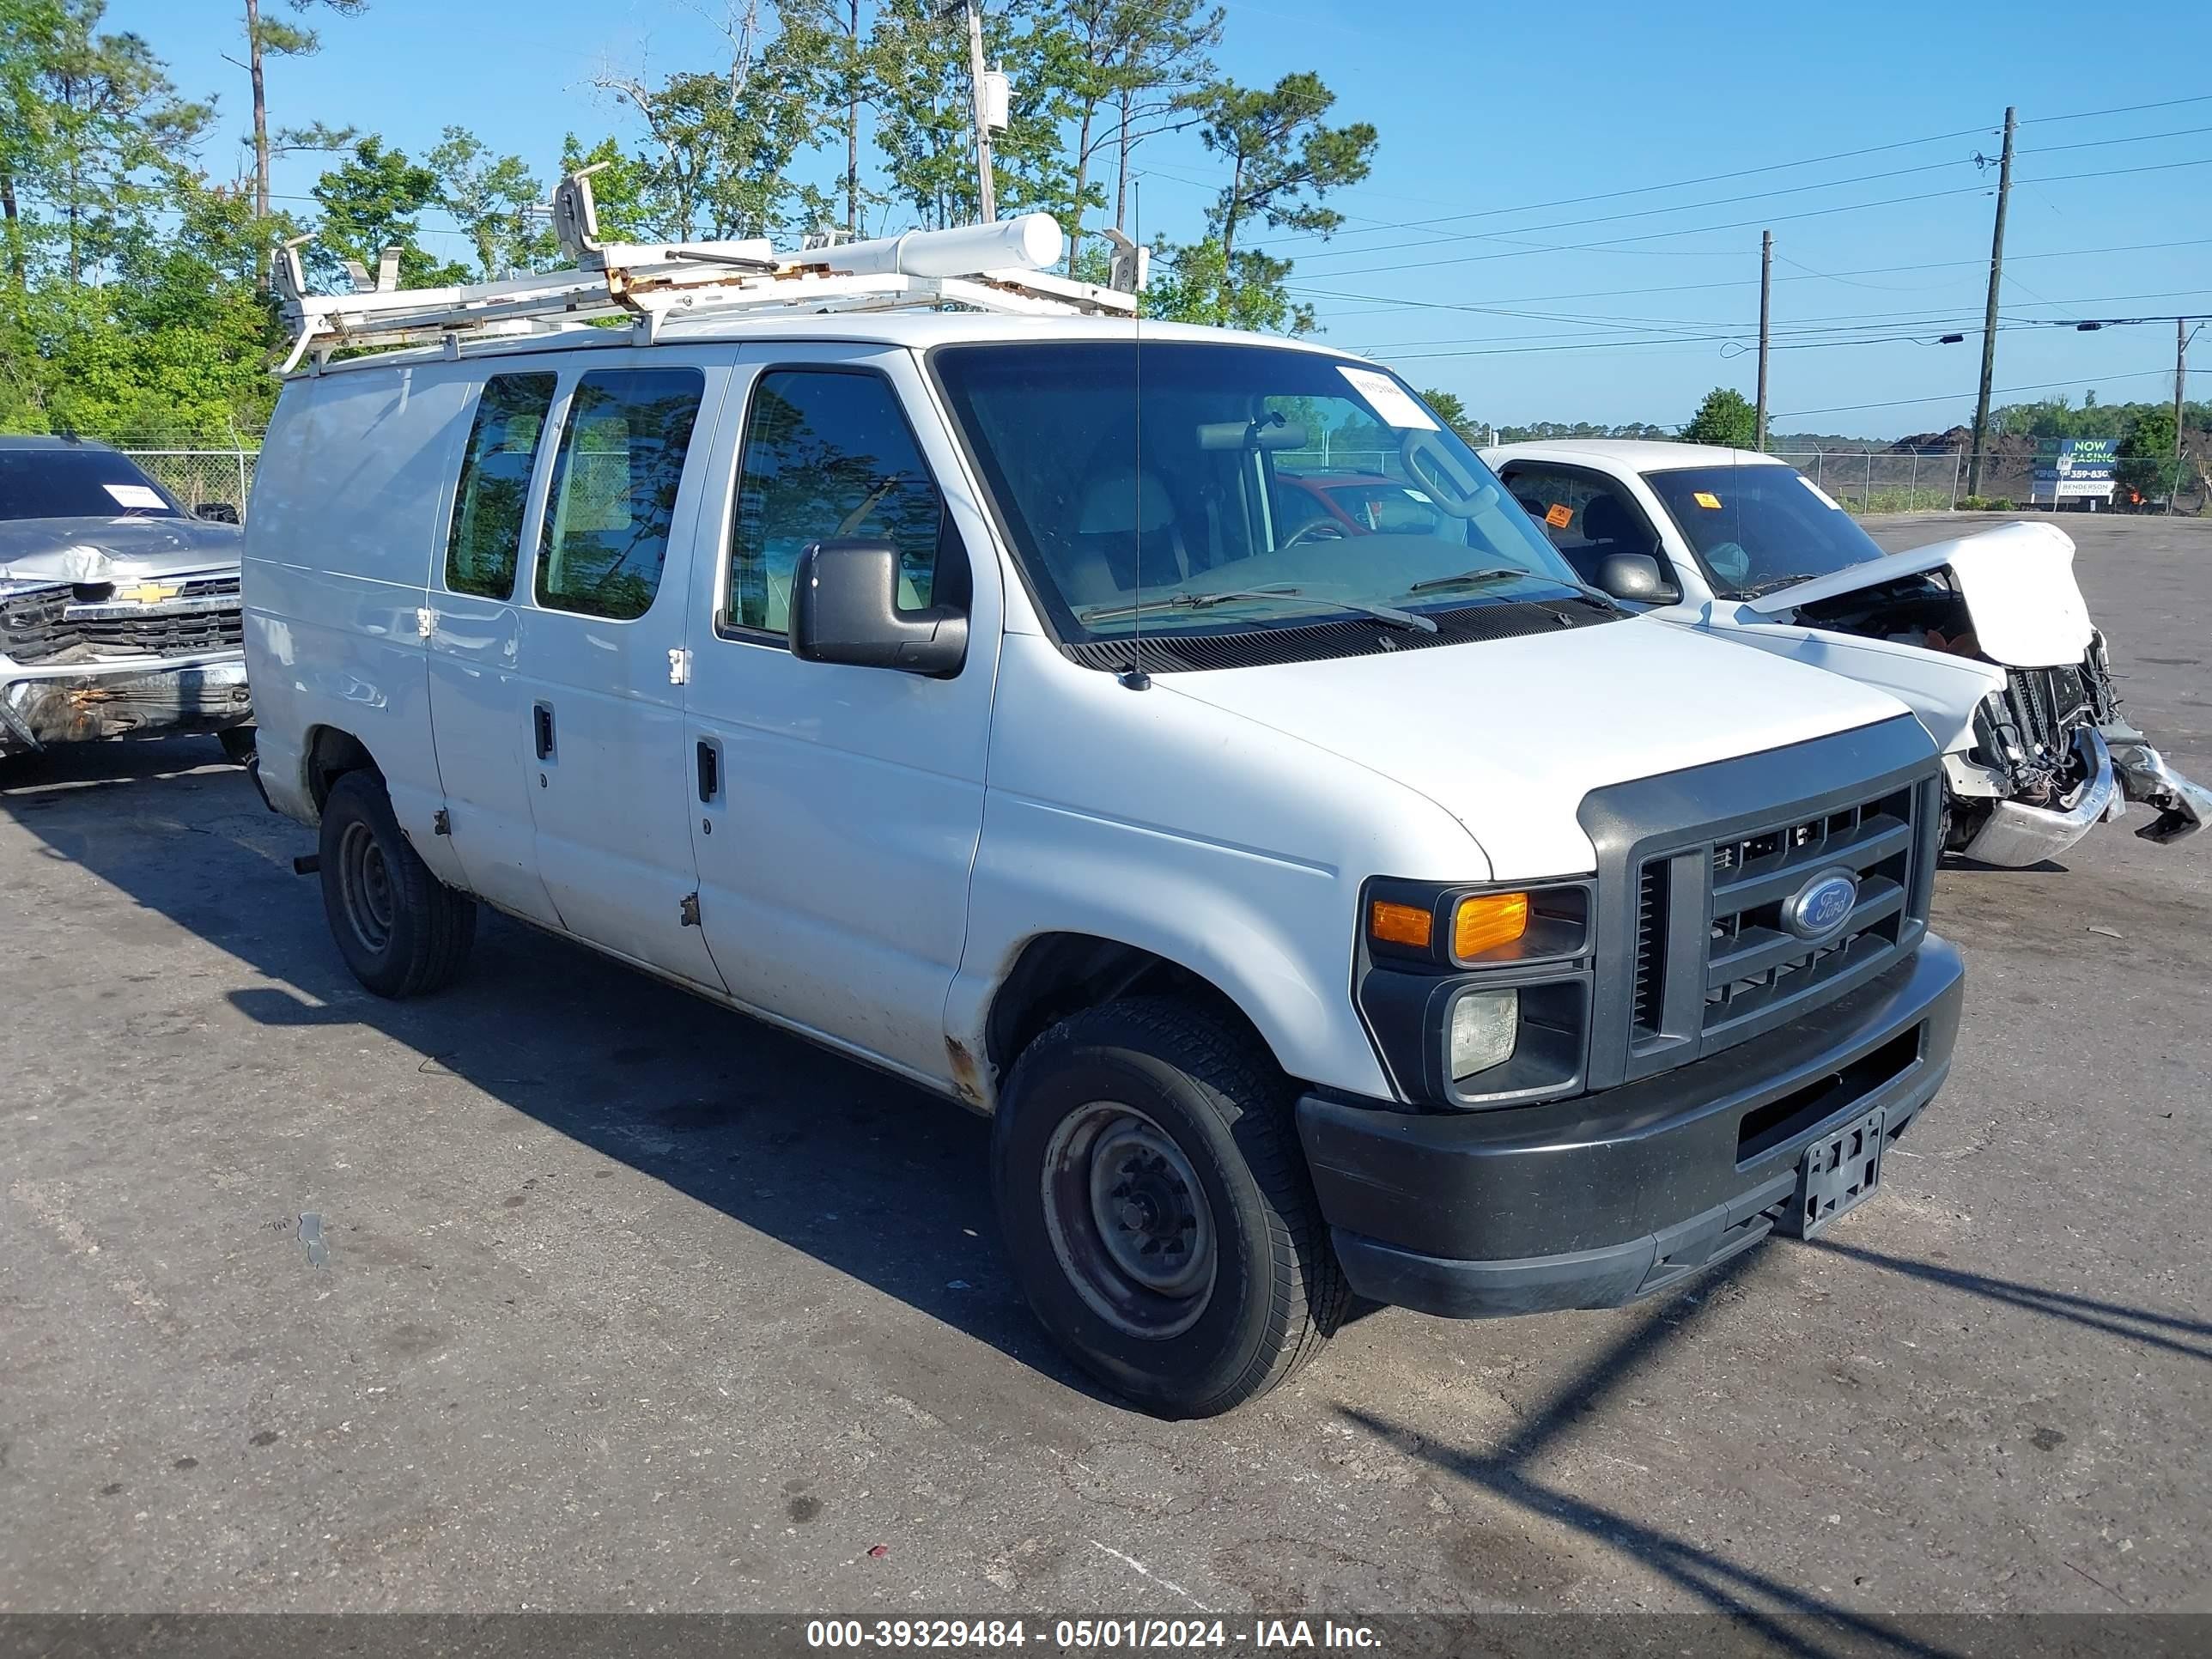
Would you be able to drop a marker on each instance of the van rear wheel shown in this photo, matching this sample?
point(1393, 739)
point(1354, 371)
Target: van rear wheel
point(402, 930)
point(1157, 1208)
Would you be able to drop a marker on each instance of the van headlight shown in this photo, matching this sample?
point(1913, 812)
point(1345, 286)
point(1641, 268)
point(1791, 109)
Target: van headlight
point(1477, 997)
point(1486, 1026)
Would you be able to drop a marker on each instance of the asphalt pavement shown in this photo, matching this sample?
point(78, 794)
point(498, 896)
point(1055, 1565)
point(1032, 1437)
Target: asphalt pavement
point(564, 1290)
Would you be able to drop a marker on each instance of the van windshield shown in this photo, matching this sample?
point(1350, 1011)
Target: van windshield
point(1181, 487)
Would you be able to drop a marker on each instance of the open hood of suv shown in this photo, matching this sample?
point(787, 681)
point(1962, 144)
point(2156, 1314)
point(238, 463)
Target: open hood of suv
point(2017, 581)
point(1508, 735)
point(114, 550)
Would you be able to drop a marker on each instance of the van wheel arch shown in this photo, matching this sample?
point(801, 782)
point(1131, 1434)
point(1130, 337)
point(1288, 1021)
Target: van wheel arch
point(1059, 975)
point(331, 753)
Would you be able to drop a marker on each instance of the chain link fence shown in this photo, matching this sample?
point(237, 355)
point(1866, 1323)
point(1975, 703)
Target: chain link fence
point(200, 478)
point(1940, 480)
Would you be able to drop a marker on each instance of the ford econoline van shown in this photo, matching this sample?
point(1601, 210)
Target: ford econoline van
point(978, 693)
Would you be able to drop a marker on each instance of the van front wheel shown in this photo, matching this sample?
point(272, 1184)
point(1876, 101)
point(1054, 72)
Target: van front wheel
point(1157, 1208)
point(401, 930)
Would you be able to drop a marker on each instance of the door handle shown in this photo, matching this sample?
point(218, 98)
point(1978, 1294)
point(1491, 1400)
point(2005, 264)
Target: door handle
point(542, 717)
point(710, 770)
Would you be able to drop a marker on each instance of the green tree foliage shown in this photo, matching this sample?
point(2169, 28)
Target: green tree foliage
point(2058, 417)
point(372, 201)
point(2147, 459)
point(491, 197)
point(1283, 163)
point(1450, 408)
point(133, 284)
point(925, 120)
point(1725, 417)
point(94, 136)
point(719, 144)
point(267, 37)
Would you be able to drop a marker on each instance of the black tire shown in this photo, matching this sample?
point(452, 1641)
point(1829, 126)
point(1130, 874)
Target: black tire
point(238, 741)
point(1181, 1088)
point(402, 930)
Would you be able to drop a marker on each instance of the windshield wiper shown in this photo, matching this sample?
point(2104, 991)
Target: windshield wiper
point(1501, 573)
point(1297, 595)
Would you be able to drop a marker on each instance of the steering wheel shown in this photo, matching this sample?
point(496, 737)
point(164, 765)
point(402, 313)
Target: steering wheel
point(1314, 529)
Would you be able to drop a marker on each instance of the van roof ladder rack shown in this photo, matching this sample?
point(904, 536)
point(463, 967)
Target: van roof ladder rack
point(996, 267)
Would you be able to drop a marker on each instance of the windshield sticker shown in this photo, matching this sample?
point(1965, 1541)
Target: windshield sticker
point(1559, 515)
point(1820, 495)
point(135, 495)
point(1419, 497)
point(1388, 400)
point(1707, 499)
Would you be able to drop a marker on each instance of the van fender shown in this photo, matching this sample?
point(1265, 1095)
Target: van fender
point(1272, 935)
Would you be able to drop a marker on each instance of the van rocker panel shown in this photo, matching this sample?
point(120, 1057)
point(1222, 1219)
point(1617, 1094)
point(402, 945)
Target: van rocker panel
point(1593, 1201)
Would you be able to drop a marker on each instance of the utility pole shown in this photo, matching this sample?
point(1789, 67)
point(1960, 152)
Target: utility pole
point(1765, 307)
point(986, 195)
point(2180, 382)
point(1990, 316)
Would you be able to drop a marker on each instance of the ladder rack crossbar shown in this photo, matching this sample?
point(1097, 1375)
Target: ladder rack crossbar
point(650, 283)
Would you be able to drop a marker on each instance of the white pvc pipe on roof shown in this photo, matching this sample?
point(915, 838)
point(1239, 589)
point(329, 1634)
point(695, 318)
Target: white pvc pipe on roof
point(1030, 241)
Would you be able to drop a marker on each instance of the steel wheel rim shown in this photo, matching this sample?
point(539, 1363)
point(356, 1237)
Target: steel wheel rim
point(365, 885)
point(1129, 1220)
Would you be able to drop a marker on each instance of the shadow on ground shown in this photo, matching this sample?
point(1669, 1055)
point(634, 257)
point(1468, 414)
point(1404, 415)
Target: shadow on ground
point(862, 1171)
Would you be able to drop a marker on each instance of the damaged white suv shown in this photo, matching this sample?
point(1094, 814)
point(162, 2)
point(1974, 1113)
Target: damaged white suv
point(1985, 636)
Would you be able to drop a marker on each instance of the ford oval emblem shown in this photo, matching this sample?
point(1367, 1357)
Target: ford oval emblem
point(1821, 905)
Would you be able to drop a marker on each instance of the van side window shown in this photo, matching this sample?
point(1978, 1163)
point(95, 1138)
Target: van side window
point(615, 480)
point(486, 536)
point(828, 454)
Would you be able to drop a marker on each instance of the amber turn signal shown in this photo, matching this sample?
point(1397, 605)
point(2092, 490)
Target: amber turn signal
point(1400, 924)
point(1485, 921)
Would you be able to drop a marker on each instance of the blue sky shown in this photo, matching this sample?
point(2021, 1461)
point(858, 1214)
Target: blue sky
point(1530, 300)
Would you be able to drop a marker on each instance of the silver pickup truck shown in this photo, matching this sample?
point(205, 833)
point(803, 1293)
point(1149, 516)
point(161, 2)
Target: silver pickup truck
point(119, 608)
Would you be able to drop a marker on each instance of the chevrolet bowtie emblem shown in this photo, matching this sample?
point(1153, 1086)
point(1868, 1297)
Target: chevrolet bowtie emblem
point(149, 593)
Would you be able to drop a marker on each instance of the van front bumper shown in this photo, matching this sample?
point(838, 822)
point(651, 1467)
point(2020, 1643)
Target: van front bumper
point(1595, 1201)
point(86, 701)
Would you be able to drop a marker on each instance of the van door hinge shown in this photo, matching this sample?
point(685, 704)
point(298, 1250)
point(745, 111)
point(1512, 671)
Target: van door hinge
point(679, 665)
point(688, 909)
point(426, 623)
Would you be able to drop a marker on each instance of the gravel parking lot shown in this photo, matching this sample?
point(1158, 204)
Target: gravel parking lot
point(621, 1301)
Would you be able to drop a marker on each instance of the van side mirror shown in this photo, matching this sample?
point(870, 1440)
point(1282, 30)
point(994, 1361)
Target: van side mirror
point(844, 608)
point(1635, 578)
point(215, 513)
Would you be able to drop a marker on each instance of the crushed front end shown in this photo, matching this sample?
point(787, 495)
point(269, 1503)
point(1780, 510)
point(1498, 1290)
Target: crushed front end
point(2069, 759)
point(83, 661)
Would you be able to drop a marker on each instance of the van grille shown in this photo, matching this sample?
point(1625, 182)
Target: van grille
point(1651, 985)
point(1754, 963)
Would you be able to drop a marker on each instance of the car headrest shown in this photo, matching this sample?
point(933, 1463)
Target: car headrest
point(1123, 502)
point(1605, 519)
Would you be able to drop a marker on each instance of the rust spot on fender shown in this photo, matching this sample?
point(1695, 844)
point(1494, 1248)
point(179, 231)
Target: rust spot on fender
point(967, 1078)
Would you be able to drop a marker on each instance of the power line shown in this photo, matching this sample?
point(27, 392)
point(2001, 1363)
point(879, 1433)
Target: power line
point(1384, 303)
point(1644, 189)
point(2124, 109)
point(1618, 243)
point(1727, 201)
point(1773, 166)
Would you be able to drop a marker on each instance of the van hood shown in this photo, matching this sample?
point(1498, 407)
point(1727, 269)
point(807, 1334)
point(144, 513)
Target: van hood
point(1508, 735)
point(2017, 581)
point(93, 551)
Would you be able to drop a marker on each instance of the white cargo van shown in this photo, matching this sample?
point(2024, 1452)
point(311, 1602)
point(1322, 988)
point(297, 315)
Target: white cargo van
point(973, 692)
